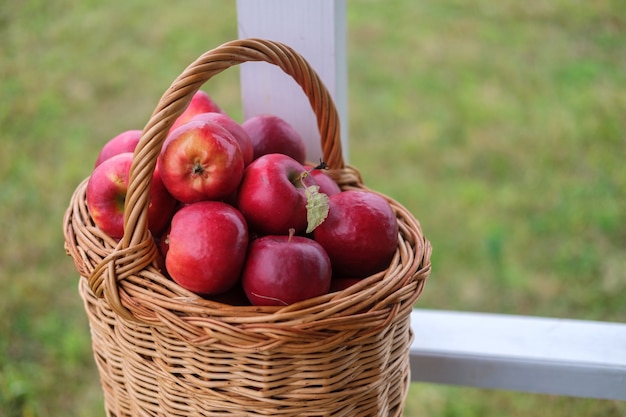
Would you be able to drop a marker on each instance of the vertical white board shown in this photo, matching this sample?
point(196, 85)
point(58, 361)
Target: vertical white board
point(317, 30)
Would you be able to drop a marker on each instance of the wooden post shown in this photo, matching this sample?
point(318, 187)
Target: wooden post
point(317, 30)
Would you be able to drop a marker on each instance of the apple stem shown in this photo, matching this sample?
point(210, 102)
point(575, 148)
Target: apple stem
point(306, 173)
point(321, 165)
point(292, 232)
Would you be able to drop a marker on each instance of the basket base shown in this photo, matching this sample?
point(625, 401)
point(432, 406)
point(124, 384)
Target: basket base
point(147, 371)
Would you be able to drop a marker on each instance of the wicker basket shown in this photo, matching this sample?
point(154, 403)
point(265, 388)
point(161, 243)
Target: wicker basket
point(163, 351)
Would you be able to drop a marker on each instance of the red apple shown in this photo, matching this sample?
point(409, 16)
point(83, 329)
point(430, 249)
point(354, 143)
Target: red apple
point(163, 241)
point(160, 259)
point(201, 161)
point(162, 205)
point(282, 270)
point(338, 284)
point(106, 194)
point(271, 195)
point(360, 233)
point(327, 185)
point(124, 142)
point(207, 247)
point(234, 297)
point(272, 134)
point(234, 129)
point(201, 102)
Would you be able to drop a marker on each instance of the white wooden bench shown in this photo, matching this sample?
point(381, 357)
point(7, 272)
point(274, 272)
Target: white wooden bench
point(528, 354)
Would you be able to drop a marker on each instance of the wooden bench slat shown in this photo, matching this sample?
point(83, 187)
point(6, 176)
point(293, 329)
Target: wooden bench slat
point(530, 354)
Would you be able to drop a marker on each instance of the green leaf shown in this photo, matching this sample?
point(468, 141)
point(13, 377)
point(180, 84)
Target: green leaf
point(316, 207)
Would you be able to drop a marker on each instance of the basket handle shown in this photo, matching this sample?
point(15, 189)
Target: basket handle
point(136, 249)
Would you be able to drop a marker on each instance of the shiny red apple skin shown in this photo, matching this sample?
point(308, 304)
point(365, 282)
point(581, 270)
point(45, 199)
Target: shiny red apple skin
point(234, 129)
point(360, 233)
point(272, 197)
point(207, 247)
point(201, 102)
point(327, 185)
point(272, 134)
point(106, 193)
point(201, 161)
point(282, 270)
point(124, 142)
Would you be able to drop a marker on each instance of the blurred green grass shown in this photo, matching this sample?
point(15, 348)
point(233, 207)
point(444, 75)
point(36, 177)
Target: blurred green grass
point(501, 126)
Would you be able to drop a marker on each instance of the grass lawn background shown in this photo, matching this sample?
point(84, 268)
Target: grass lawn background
point(500, 125)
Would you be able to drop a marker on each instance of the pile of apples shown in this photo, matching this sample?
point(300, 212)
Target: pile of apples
point(239, 216)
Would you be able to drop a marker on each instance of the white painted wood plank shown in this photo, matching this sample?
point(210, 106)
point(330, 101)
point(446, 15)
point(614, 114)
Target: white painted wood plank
point(530, 354)
point(317, 30)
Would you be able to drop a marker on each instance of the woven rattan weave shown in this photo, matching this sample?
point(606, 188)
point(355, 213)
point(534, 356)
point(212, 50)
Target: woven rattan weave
point(163, 351)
